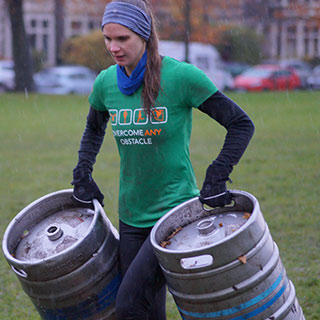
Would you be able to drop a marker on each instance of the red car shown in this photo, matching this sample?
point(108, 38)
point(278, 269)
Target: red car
point(267, 77)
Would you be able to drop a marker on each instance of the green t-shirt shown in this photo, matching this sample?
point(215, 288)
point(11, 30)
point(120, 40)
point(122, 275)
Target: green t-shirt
point(156, 173)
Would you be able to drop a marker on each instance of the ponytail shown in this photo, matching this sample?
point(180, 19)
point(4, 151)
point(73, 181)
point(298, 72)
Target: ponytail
point(152, 84)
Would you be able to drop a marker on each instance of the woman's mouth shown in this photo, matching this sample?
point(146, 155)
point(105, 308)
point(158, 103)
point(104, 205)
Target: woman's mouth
point(118, 58)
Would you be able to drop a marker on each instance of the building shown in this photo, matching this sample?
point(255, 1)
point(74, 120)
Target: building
point(291, 28)
point(48, 23)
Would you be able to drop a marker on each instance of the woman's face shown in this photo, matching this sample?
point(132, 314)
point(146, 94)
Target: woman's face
point(125, 46)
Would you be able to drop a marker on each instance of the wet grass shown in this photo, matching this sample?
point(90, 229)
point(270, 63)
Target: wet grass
point(39, 141)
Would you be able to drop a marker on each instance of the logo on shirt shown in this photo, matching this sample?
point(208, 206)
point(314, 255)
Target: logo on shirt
point(139, 135)
point(124, 117)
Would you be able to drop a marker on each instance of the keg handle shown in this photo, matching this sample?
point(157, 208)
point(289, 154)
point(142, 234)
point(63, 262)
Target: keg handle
point(19, 272)
point(209, 209)
point(99, 209)
point(197, 262)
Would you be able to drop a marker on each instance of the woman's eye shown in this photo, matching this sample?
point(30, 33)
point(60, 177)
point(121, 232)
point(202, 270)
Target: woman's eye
point(124, 38)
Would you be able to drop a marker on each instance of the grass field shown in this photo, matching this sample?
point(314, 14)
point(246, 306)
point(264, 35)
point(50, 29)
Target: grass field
point(281, 168)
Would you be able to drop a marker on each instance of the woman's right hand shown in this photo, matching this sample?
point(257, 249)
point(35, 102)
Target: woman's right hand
point(84, 187)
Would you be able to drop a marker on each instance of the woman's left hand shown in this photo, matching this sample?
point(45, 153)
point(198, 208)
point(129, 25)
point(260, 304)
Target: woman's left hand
point(214, 191)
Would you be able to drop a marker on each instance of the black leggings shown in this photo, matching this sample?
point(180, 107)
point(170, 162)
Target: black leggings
point(142, 293)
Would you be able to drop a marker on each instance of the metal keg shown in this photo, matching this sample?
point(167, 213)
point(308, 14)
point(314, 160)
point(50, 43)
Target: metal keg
point(66, 258)
point(222, 263)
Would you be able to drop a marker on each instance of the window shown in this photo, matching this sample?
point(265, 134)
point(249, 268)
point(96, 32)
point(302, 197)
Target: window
point(306, 45)
point(45, 46)
point(32, 40)
point(292, 30)
point(202, 62)
point(45, 42)
point(316, 46)
point(76, 25)
point(91, 25)
point(78, 76)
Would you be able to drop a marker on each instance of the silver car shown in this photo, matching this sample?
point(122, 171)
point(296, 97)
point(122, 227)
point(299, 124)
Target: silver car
point(314, 79)
point(7, 82)
point(65, 80)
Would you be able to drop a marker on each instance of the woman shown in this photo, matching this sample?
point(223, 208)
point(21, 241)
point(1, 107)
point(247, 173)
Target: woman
point(149, 99)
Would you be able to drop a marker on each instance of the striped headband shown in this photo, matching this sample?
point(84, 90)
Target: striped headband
point(129, 16)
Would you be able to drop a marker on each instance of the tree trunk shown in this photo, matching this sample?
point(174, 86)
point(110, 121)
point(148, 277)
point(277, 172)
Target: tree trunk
point(20, 48)
point(59, 18)
point(187, 29)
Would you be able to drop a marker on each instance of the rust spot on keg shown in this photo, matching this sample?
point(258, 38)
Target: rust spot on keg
point(164, 244)
point(220, 224)
point(167, 241)
point(243, 259)
point(234, 288)
point(174, 233)
point(246, 215)
point(27, 248)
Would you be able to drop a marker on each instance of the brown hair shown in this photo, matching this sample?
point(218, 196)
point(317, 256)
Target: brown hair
point(152, 84)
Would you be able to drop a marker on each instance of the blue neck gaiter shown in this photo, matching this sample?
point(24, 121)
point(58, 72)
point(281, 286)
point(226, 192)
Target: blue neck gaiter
point(128, 85)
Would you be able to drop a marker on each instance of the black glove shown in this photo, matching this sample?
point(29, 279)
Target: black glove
point(214, 191)
point(85, 189)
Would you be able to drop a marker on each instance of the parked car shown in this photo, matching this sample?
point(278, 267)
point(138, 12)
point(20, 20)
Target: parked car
point(302, 68)
point(65, 80)
point(314, 79)
point(235, 68)
point(267, 77)
point(7, 75)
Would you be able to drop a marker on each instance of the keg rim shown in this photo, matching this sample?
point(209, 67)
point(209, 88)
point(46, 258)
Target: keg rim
point(13, 261)
point(155, 228)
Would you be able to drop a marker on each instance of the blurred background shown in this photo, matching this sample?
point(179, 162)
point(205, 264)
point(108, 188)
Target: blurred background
point(57, 47)
point(243, 45)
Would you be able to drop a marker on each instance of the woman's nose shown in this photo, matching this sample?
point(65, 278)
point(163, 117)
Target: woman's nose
point(114, 47)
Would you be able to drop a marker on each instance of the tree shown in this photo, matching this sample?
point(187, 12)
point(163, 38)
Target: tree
point(240, 44)
point(21, 53)
point(88, 50)
point(207, 18)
